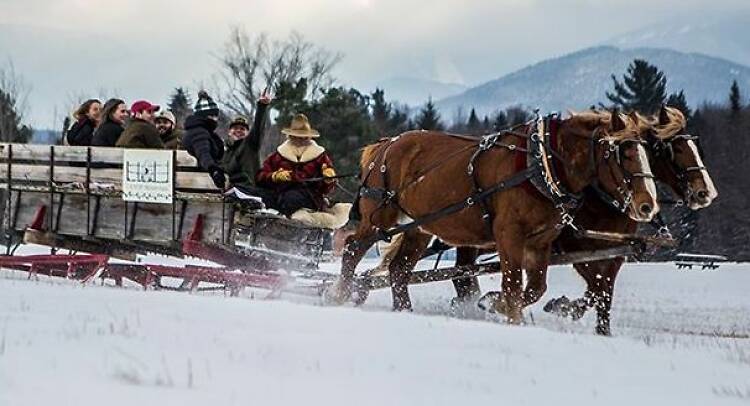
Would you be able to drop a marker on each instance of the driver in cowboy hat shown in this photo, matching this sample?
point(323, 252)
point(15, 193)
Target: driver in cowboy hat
point(300, 172)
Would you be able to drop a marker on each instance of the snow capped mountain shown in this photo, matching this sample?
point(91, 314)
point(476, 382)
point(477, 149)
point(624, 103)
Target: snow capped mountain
point(721, 36)
point(581, 79)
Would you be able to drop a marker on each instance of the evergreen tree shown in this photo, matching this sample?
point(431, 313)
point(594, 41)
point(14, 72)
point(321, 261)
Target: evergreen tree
point(180, 105)
point(381, 112)
point(473, 126)
point(342, 116)
point(517, 115)
point(486, 126)
point(290, 99)
point(11, 129)
point(735, 99)
point(500, 122)
point(678, 101)
point(399, 121)
point(643, 88)
point(429, 118)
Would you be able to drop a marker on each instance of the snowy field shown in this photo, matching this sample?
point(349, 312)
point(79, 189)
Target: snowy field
point(680, 337)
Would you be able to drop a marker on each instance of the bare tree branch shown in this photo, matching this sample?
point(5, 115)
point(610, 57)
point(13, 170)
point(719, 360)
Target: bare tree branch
point(251, 64)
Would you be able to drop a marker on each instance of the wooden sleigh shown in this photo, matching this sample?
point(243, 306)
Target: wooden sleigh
point(72, 198)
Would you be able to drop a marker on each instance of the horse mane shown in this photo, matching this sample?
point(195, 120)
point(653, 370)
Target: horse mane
point(369, 151)
point(677, 123)
point(598, 119)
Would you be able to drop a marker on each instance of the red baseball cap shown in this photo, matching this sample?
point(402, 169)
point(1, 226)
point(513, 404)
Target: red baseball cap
point(141, 105)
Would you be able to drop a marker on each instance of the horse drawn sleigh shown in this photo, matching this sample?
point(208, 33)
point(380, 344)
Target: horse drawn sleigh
point(551, 191)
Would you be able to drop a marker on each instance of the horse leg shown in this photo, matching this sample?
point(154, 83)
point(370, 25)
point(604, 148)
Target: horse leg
point(413, 244)
point(600, 279)
point(466, 287)
point(536, 262)
point(341, 290)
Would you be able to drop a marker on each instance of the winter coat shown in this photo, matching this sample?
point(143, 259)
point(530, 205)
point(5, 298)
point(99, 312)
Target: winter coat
point(242, 158)
point(81, 132)
point(306, 164)
point(202, 142)
point(173, 140)
point(107, 134)
point(140, 134)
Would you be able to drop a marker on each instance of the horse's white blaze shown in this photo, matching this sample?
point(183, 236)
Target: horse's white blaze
point(710, 188)
point(650, 185)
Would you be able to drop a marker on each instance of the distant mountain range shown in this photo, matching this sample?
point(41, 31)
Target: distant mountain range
point(724, 36)
point(581, 79)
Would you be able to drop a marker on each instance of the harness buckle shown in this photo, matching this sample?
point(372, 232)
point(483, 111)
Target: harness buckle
point(566, 220)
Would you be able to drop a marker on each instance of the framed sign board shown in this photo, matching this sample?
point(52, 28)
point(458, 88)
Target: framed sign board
point(147, 176)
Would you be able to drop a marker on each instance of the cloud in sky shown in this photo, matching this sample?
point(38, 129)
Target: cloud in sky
point(145, 48)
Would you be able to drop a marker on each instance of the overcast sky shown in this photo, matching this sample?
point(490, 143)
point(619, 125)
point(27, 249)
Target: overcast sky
point(141, 48)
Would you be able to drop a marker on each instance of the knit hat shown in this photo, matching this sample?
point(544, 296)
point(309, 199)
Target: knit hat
point(205, 106)
point(166, 115)
point(239, 121)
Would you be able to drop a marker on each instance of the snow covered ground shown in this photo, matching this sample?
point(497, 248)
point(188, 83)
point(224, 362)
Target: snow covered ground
point(66, 344)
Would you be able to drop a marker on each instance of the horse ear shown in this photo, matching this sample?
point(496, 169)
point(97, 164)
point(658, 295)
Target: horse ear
point(618, 124)
point(663, 115)
point(635, 117)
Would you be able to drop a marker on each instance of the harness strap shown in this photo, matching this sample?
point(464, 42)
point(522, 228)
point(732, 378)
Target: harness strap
point(513, 181)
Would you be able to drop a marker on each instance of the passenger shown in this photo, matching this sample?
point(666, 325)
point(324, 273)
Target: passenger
point(114, 114)
point(300, 172)
point(141, 131)
point(201, 140)
point(242, 157)
point(87, 117)
point(171, 136)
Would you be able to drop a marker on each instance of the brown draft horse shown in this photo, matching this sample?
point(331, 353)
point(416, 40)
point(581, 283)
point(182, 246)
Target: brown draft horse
point(427, 171)
point(676, 161)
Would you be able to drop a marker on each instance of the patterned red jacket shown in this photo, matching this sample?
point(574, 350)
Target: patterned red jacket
point(304, 163)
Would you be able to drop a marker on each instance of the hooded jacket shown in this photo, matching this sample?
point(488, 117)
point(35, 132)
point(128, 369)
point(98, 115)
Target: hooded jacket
point(202, 142)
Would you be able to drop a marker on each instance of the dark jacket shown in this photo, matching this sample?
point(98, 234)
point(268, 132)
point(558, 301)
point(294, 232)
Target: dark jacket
point(202, 142)
point(173, 140)
point(242, 158)
point(81, 132)
point(140, 134)
point(107, 134)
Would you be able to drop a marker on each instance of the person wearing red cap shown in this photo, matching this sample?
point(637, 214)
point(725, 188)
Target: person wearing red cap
point(141, 131)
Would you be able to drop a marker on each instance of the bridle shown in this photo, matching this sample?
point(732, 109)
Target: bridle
point(624, 179)
point(662, 149)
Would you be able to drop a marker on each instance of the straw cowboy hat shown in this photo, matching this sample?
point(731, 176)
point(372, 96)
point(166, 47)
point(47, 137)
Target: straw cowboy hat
point(300, 128)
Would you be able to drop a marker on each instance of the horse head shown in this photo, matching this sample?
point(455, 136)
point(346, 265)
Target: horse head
point(677, 160)
point(616, 165)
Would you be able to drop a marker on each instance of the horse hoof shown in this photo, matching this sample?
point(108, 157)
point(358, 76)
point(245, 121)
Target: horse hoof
point(492, 302)
point(338, 293)
point(603, 331)
point(559, 306)
point(578, 308)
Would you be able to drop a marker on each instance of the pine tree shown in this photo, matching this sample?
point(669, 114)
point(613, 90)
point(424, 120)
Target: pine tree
point(429, 118)
point(517, 115)
point(643, 88)
point(500, 122)
point(678, 101)
point(735, 99)
point(179, 104)
point(381, 112)
point(486, 126)
point(473, 125)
